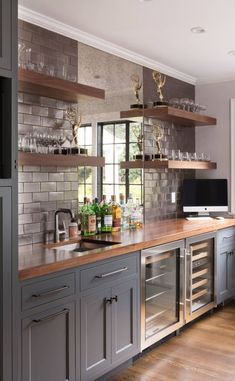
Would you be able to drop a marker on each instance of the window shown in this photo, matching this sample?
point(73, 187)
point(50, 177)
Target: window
point(118, 142)
point(85, 173)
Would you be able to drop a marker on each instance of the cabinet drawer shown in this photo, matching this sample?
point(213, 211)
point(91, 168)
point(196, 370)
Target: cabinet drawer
point(226, 237)
point(107, 272)
point(46, 291)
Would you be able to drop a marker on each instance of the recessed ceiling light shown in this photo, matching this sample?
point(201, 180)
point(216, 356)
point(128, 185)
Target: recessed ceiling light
point(231, 52)
point(198, 30)
point(143, 1)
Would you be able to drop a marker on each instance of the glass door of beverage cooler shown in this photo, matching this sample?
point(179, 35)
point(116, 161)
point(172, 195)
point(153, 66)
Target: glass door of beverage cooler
point(199, 276)
point(162, 291)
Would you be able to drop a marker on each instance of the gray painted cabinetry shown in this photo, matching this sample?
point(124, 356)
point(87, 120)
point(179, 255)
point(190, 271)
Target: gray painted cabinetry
point(48, 345)
point(109, 315)
point(6, 33)
point(225, 264)
point(5, 284)
point(92, 311)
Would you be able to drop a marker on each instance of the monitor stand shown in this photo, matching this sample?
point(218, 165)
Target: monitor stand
point(201, 216)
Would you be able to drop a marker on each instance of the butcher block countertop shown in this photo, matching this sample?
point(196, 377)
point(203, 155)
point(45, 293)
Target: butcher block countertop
point(40, 260)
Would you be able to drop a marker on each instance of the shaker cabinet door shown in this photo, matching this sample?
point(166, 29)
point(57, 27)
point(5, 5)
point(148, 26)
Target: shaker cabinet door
point(48, 345)
point(223, 276)
point(5, 285)
point(124, 321)
point(232, 272)
point(5, 33)
point(95, 334)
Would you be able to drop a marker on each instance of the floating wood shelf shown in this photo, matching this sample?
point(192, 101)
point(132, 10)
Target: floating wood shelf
point(49, 160)
point(33, 82)
point(185, 118)
point(167, 164)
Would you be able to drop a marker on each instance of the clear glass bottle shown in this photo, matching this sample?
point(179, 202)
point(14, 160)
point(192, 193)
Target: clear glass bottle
point(106, 216)
point(131, 210)
point(88, 219)
point(125, 213)
point(117, 214)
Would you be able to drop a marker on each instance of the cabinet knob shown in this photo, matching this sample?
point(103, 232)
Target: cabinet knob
point(115, 298)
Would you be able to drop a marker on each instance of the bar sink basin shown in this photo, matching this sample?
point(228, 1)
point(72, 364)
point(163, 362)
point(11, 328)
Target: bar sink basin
point(85, 244)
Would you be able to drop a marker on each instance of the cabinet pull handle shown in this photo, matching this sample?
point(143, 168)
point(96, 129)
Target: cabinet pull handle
point(111, 273)
point(115, 298)
point(50, 292)
point(230, 236)
point(108, 300)
point(50, 317)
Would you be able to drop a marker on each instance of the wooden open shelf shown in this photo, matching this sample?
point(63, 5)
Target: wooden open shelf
point(182, 117)
point(33, 82)
point(49, 160)
point(167, 164)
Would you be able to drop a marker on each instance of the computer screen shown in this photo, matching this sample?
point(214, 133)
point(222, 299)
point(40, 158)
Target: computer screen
point(205, 195)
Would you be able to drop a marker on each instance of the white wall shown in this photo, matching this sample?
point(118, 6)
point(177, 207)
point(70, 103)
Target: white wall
point(216, 139)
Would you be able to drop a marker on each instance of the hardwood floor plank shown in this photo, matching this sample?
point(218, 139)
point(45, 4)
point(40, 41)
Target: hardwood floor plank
point(205, 351)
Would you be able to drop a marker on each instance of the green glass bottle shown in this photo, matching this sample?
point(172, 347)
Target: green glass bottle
point(106, 216)
point(97, 209)
point(88, 219)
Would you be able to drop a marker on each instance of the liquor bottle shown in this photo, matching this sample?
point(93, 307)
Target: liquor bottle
point(137, 218)
point(106, 216)
point(130, 207)
point(88, 219)
point(97, 209)
point(125, 213)
point(117, 214)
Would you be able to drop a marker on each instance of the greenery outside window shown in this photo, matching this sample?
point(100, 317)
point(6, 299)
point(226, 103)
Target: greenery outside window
point(117, 141)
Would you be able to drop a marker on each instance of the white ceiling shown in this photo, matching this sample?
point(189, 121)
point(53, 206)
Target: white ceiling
point(158, 30)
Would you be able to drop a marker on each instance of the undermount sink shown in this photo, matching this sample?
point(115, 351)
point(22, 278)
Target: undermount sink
point(85, 244)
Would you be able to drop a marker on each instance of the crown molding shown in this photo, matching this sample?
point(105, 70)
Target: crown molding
point(217, 80)
point(56, 26)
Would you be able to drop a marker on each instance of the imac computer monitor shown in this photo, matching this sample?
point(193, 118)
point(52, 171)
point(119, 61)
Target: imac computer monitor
point(205, 195)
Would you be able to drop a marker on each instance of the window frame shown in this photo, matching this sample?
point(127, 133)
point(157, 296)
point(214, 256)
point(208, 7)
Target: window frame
point(100, 126)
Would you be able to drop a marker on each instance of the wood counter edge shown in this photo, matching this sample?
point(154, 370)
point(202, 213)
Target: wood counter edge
point(121, 249)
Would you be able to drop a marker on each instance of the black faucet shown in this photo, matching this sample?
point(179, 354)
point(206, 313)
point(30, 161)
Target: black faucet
point(58, 232)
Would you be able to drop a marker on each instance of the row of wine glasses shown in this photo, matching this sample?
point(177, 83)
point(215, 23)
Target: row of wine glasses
point(61, 69)
point(188, 156)
point(186, 104)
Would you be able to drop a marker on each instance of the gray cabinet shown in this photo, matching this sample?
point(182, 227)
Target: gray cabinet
point(5, 285)
point(109, 321)
point(225, 269)
point(95, 334)
point(6, 33)
point(48, 345)
point(124, 321)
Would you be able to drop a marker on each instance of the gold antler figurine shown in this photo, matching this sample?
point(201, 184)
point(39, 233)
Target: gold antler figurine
point(75, 119)
point(160, 81)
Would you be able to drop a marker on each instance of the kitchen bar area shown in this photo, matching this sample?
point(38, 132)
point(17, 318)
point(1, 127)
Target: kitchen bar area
point(117, 224)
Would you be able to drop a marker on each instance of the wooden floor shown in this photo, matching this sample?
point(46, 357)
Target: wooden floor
point(204, 351)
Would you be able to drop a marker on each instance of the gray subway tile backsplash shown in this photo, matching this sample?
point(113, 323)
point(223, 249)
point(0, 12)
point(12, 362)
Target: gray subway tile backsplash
point(31, 187)
point(49, 186)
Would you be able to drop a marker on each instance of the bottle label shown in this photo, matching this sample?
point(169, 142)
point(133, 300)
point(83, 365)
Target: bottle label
point(118, 213)
point(92, 224)
point(117, 222)
point(108, 220)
